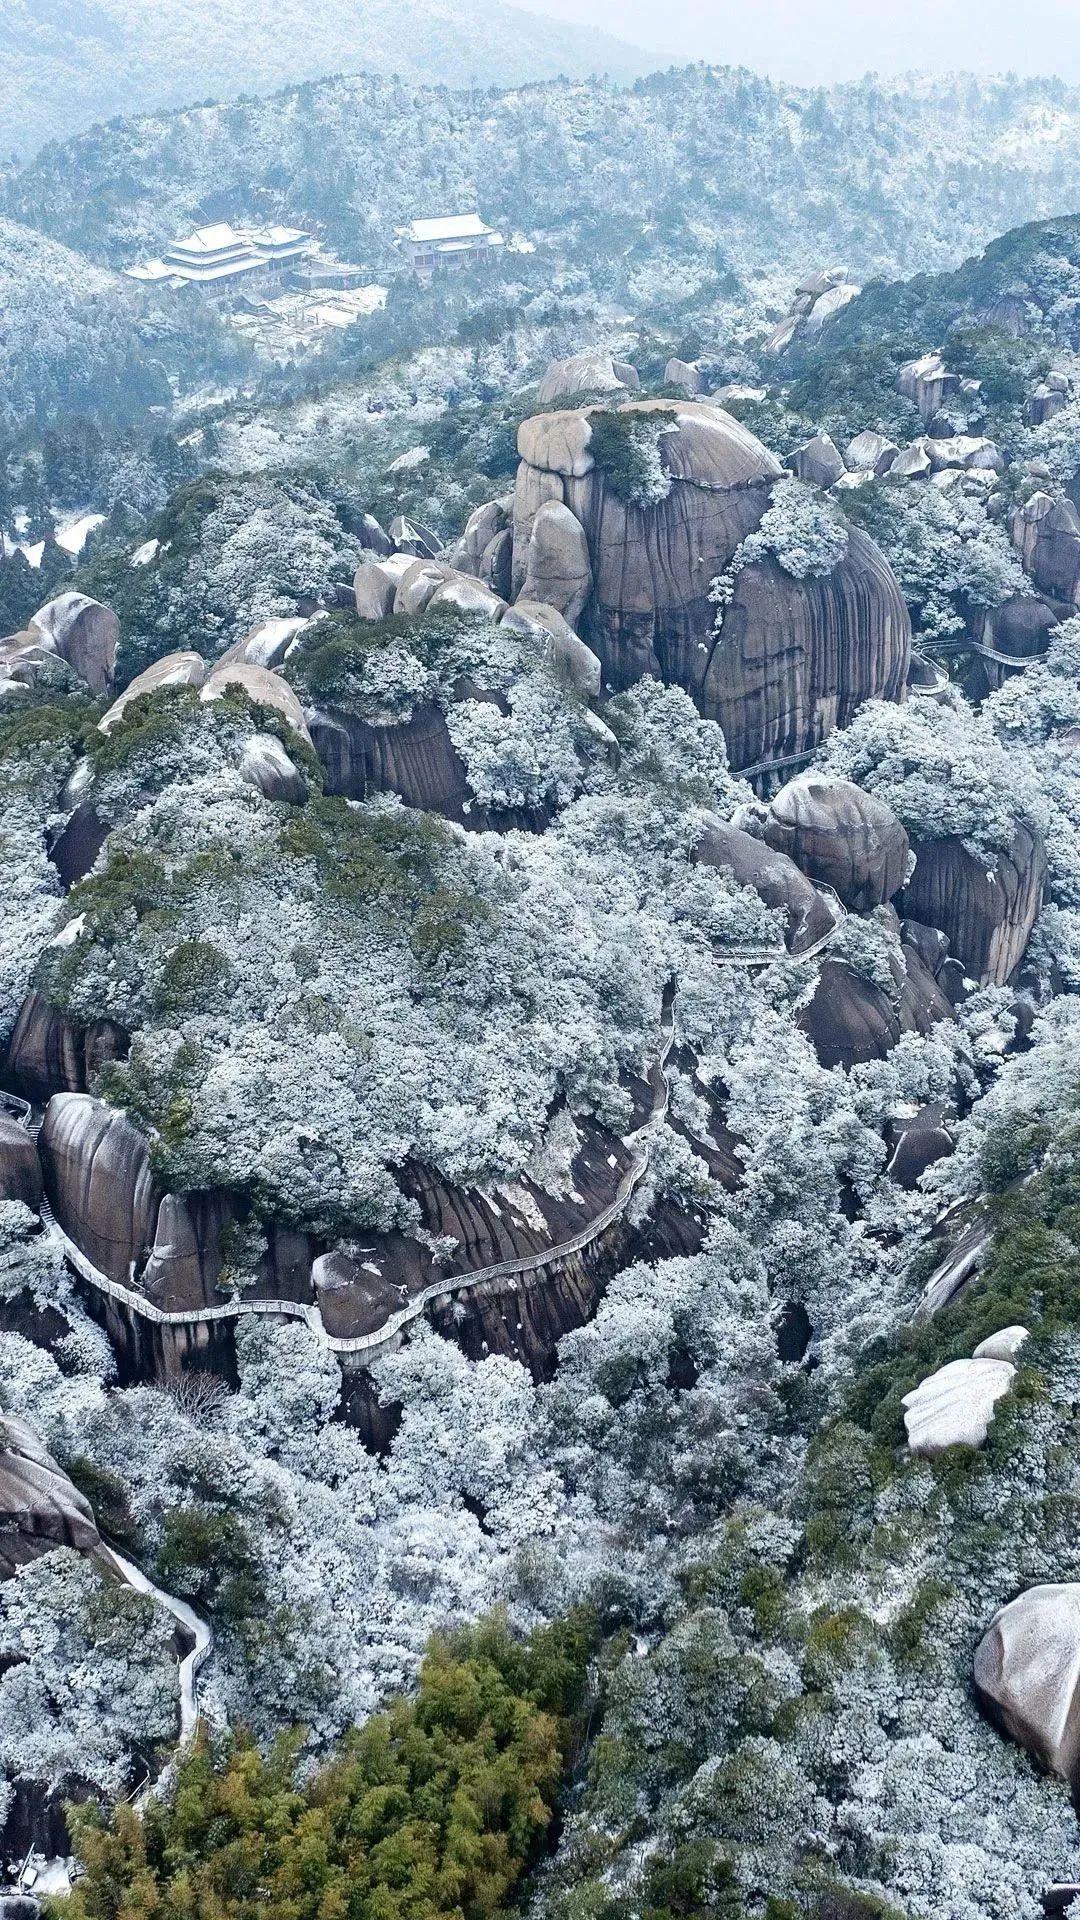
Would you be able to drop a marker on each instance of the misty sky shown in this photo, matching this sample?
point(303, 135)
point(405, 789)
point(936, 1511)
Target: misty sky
point(822, 40)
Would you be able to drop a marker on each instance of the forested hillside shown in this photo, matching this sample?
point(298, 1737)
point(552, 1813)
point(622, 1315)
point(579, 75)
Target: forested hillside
point(64, 64)
point(713, 169)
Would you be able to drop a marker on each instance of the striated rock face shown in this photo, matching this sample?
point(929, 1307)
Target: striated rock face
point(47, 1054)
point(794, 659)
point(173, 670)
point(98, 1179)
point(987, 917)
point(1046, 533)
point(265, 764)
point(919, 1144)
point(39, 1507)
point(772, 875)
point(84, 633)
point(840, 835)
point(955, 1405)
point(850, 1019)
point(1027, 1674)
point(416, 759)
point(685, 374)
point(20, 1170)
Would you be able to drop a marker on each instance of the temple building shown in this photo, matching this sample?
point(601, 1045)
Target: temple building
point(448, 244)
point(219, 254)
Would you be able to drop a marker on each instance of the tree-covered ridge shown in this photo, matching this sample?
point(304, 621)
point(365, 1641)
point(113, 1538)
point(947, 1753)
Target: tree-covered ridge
point(434, 1807)
point(709, 167)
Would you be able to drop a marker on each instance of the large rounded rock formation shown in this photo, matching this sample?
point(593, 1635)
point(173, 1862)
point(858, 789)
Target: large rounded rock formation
point(840, 836)
point(986, 911)
point(99, 1182)
point(20, 1170)
point(39, 1507)
point(794, 659)
point(774, 878)
point(1027, 1674)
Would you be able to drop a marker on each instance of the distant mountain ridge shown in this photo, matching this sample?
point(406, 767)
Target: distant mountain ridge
point(64, 66)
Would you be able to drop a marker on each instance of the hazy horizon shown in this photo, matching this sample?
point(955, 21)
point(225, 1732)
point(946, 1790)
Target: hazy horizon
point(825, 41)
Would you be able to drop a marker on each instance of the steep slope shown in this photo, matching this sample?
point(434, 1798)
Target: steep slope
point(63, 65)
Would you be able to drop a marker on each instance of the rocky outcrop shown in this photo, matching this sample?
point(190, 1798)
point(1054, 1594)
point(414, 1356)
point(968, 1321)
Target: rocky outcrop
point(265, 765)
point(1027, 1674)
point(558, 571)
point(573, 664)
point(819, 461)
point(263, 688)
point(47, 1054)
point(986, 912)
point(840, 836)
point(927, 383)
point(409, 536)
point(1021, 626)
point(40, 1509)
point(912, 463)
point(99, 1183)
point(871, 452)
point(20, 1169)
point(416, 759)
point(590, 373)
point(172, 670)
point(818, 298)
point(75, 848)
point(850, 1019)
point(794, 658)
point(686, 375)
point(918, 1143)
point(954, 1406)
point(1046, 533)
point(376, 582)
point(775, 878)
point(268, 644)
point(84, 633)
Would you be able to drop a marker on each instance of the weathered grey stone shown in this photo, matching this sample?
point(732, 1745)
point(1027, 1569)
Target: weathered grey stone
point(409, 536)
point(372, 537)
point(1004, 1345)
point(775, 878)
point(967, 451)
point(986, 914)
point(417, 585)
point(871, 452)
point(84, 633)
point(1027, 1674)
point(842, 836)
point(264, 688)
point(20, 1169)
point(497, 563)
point(919, 1143)
point(928, 383)
point(573, 664)
point(593, 372)
point(40, 1509)
point(98, 1179)
point(557, 569)
point(462, 595)
point(820, 461)
point(828, 305)
point(1022, 625)
point(850, 1019)
point(265, 765)
point(685, 374)
point(375, 583)
point(954, 1406)
point(1047, 534)
point(75, 848)
point(186, 669)
point(1043, 404)
point(267, 644)
point(47, 1054)
point(481, 528)
point(557, 443)
point(912, 463)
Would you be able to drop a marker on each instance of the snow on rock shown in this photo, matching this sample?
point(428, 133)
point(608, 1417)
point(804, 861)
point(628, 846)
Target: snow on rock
point(1001, 1346)
point(172, 670)
point(143, 555)
point(1027, 1673)
point(954, 1406)
point(264, 688)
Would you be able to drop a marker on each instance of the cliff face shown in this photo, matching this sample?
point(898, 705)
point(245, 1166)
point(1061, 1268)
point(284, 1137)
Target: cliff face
point(47, 1054)
point(795, 657)
point(986, 915)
